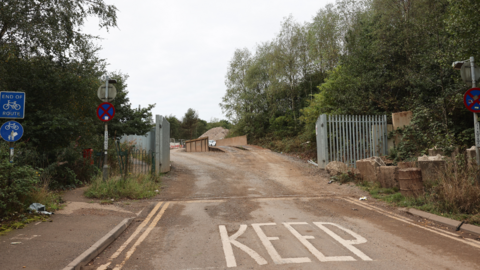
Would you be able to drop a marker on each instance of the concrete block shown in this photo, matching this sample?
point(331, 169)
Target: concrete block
point(431, 168)
point(368, 169)
point(471, 156)
point(336, 168)
point(388, 176)
point(427, 158)
point(404, 165)
point(401, 119)
point(410, 182)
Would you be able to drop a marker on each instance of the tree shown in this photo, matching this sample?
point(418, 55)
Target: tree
point(128, 120)
point(50, 27)
point(189, 124)
point(174, 127)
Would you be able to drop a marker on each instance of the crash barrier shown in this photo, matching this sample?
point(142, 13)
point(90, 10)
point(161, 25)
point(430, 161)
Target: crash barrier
point(348, 138)
point(240, 140)
point(197, 145)
point(174, 145)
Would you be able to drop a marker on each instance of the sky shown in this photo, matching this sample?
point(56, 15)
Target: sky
point(177, 53)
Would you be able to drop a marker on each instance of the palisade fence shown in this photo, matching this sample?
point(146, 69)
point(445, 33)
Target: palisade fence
point(348, 138)
point(127, 161)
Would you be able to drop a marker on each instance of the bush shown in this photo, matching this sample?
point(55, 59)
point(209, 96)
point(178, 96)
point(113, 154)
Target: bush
point(16, 184)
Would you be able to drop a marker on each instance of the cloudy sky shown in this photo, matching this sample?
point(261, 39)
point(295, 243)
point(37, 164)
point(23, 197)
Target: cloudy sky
point(177, 52)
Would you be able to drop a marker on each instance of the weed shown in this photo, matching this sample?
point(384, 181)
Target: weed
point(20, 222)
point(131, 187)
point(453, 193)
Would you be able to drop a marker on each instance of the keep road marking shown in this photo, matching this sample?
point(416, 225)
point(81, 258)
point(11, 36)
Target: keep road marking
point(228, 241)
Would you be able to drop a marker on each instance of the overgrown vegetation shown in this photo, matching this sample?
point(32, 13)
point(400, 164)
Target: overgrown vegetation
point(454, 192)
point(44, 53)
point(370, 57)
point(131, 187)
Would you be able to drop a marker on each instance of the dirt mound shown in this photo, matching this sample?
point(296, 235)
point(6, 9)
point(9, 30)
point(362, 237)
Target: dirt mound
point(217, 133)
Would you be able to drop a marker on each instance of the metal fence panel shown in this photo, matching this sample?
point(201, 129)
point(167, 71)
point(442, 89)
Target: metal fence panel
point(144, 142)
point(348, 138)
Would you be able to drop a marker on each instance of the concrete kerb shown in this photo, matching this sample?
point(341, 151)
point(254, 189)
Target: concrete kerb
point(99, 246)
point(445, 221)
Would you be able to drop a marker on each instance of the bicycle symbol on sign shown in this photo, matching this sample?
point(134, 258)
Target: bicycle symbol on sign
point(11, 125)
point(12, 105)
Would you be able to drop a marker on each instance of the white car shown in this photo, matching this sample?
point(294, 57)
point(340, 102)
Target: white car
point(212, 143)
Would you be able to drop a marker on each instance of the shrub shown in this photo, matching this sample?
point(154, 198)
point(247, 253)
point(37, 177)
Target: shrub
point(16, 183)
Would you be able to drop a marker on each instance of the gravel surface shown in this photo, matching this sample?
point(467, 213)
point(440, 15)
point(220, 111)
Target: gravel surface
point(256, 209)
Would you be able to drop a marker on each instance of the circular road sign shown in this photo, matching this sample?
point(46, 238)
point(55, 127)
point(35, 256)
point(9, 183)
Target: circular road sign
point(11, 131)
point(112, 93)
point(471, 99)
point(105, 111)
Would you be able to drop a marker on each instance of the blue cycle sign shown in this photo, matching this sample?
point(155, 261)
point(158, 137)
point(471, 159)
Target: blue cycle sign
point(11, 131)
point(12, 105)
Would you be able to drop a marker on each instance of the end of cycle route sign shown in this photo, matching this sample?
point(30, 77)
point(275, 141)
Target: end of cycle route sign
point(12, 105)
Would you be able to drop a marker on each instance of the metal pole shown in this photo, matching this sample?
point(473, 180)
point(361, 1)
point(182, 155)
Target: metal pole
point(105, 166)
point(11, 152)
point(475, 117)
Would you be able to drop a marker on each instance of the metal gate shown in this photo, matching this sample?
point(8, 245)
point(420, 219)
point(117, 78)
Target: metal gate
point(348, 138)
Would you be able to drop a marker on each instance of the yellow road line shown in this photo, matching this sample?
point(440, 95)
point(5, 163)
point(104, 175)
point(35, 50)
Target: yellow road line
point(137, 231)
point(143, 236)
point(400, 218)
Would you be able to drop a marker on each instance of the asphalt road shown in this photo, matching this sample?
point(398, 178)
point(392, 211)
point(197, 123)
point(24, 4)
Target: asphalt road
point(256, 209)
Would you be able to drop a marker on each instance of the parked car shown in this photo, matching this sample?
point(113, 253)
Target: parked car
point(212, 143)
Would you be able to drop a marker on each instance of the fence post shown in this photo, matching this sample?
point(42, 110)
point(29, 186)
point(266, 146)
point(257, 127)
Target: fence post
point(157, 142)
point(322, 141)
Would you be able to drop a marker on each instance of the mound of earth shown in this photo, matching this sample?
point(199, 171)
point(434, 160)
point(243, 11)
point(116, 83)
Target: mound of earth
point(217, 133)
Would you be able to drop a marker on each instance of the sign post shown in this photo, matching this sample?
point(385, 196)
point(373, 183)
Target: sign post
point(105, 166)
point(11, 132)
point(475, 117)
point(105, 113)
point(12, 105)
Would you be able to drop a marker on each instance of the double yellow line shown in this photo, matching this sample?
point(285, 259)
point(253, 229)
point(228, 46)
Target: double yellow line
point(134, 235)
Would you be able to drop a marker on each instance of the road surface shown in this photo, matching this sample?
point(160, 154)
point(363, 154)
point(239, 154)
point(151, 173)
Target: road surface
point(257, 209)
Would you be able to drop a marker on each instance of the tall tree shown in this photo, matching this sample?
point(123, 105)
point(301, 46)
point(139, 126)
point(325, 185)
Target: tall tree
point(51, 27)
point(189, 124)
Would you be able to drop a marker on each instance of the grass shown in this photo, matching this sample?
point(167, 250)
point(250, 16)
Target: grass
point(140, 186)
point(20, 222)
point(454, 192)
point(51, 199)
point(432, 201)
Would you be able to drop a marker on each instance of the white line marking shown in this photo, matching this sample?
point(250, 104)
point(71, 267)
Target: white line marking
point(143, 236)
point(400, 218)
point(346, 243)
point(304, 240)
point(271, 250)
point(227, 243)
point(137, 231)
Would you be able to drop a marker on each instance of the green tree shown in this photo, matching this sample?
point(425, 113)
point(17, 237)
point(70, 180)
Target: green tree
point(51, 27)
point(174, 127)
point(189, 124)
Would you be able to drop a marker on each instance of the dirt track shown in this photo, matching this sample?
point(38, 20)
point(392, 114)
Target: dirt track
point(291, 219)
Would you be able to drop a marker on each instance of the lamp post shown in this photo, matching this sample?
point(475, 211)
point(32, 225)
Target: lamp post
point(470, 74)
